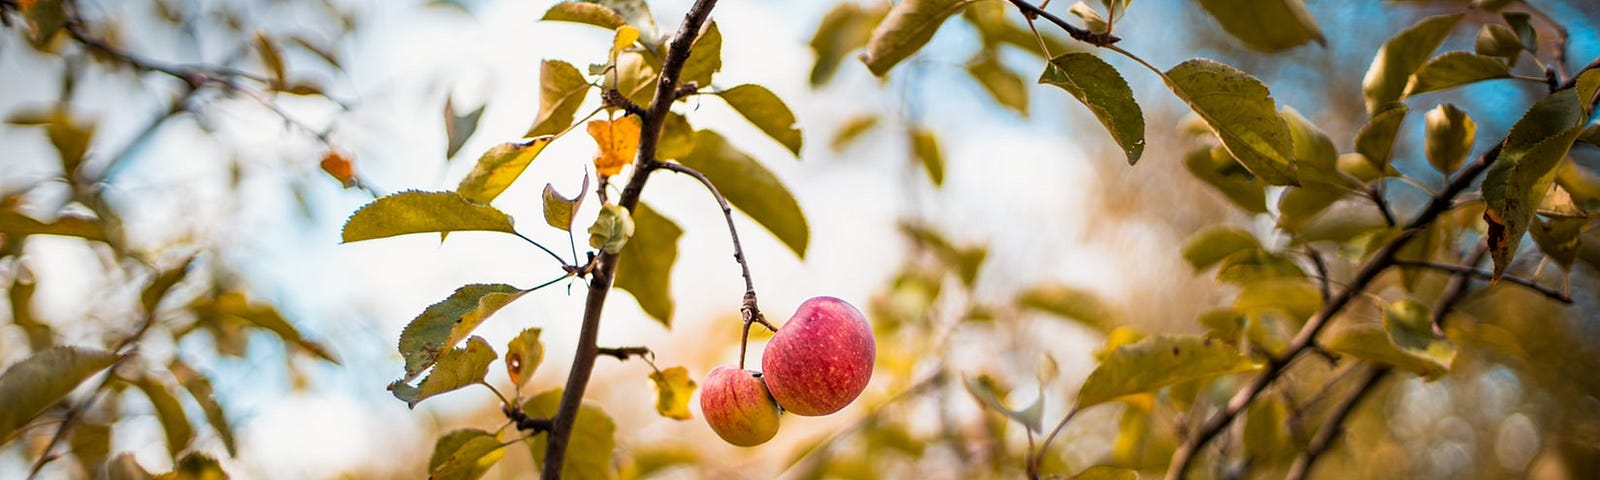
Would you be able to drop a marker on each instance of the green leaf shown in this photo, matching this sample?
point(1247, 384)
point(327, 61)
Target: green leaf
point(455, 368)
point(1104, 472)
point(1454, 69)
point(1522, 23)
point(1006, 87)
point(1297, 207)
point(647, 274)
point(1219, 169)
point(1210, 246)
point(586, 13)
point(982, 391)
point(170, 413)
point(32, 385)
point(423, 212)
point(1497, 40)
point(673, 389)
point(851, 129)
point(1077, 304)
point(705, 57)
point(1266, 434)
point(464, 455)
point(1376, 139)
point(1298, 298)
point(1519, 178)
point(589, 450)
point(925, 147)
point(561, 90)
point(909, 26)
point(459, 128)
point(751, 188)
point(1157, 361)
point(1371, 342)
point(560, 210)
point(1266, 25)
point(498, 167)
point(199, 387)
point(1240, 109)
point(451, 320)
point(767, 112)
point(1399, 57)
point(1098, 85)
point(1254, 265)
point(1316, 159)
point(848, 26)
point(523, 356)
point(612, 229)
point(1449, 138)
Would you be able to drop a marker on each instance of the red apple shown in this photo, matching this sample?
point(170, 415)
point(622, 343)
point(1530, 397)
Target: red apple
point(736, 404)
point(821, 359)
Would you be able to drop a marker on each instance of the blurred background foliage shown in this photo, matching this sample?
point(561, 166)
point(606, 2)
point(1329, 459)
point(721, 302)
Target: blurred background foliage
point(175, 173)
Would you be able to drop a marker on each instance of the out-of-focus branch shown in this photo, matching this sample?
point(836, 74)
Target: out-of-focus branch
point(1483, 274)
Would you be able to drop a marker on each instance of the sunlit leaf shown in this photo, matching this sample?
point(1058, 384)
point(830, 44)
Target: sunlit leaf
point(673, 389)
point(1297, 207)
point(1266, 434)
point(498, 167)
point(451, 320)
point(1370, 342)
point(636, 13)
point(464, 455)
point(125, 467)
point(909, 26)
point(612, 229)
point(850, 130)
point(170, 413)
point(423, 212)
point(618, 141)
point(985, 394)
point(624, 38)
point(44, 17)
point(1254, 265)
point(1454, 69)
point(454, 369)
point(1210, 246)
point(1090, 17)
point(1098, 85)
point(561, 90)
point(199, 388)
point(635, 76)
point(589, 450)
point(1219, 169)
point(1449, 138)
point(338, 166)
point(523, 356)
point(458, 128)
point(586, 13)
point(647, 273)
point(848, 26)
point(1067, 302)
point(1522, 174)
point(90, 444)
point(1298, 298)
point(1399, 58)
point(705, 57)
point(1376, 139)
point(677, 138)
point(560, 210)
point(751, 188)
point(1266, 25)
point(1158, 361)
point(925, 148)
point(766, 111)
point(1316, 159)
point(32, 385)
point(195, 466)
point(1240, 109)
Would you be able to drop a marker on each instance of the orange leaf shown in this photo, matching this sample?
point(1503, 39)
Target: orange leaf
point(339, 167)
point(618, 140)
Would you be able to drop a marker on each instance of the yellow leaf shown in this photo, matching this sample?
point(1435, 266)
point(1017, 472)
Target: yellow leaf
point(673, 389)
point(618, 140)
point(626, 35)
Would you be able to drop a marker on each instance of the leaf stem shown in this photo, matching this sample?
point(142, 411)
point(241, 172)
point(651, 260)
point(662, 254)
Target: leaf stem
point(558, 258)
point(1035, 458)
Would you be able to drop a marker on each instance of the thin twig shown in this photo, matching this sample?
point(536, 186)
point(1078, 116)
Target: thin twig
point(1321, 268)
point(1335, 424)
point(1035, 457)
point(1486, 275)
point(622, 353)
point(600, 279)
point(1079, 34)
point(558, 258)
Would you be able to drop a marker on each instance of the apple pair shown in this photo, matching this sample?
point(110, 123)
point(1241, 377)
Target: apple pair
point(817, 363)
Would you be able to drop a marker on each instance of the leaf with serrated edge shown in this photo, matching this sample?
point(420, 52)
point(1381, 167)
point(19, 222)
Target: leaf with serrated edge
point(560, 210)
point(1399, 58)
point(909, 26)
point(589, 449)
point(1454, 69)
point(648, 275)
point(1522, 174)
point(673, 389)
point(1108, 96)
point(1240, 109)
point(498, 167)
point(751, 188)
point(767, 112)
point(32, 385)
point(561, 90)
point(443, 324)
point(455, 368)
point(423, 212)
point(1158, 361)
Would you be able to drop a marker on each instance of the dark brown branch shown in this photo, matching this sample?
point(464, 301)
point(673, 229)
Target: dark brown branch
point(1457, 288)
point(1079, 34)
point(606, 263)
point(1375, 192)
point(613, 98)
point(1486, 275)
point(525, 422)
point(1321, 268)
point(1306, 338)
point(622, 353)
point(1335, 424)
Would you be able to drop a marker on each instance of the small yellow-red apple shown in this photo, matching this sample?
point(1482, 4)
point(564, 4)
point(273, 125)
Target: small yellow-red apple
point(737, 405)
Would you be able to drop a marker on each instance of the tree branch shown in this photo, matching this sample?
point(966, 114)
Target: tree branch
point(1335, 424)
point(1079, 34)
point(1486, 275)
point(600, 279)
point(622, 353)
